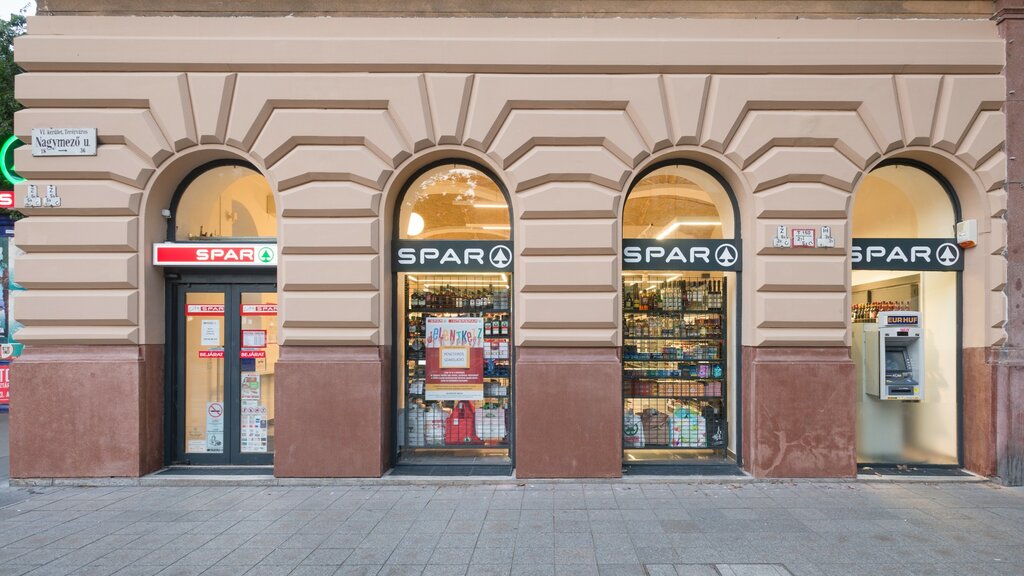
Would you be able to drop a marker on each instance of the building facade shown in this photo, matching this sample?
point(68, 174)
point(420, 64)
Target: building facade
point(666, 238)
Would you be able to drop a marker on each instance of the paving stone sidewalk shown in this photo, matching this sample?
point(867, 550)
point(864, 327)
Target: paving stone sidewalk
point(621, 529)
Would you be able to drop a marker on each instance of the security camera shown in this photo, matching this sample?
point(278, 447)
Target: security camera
point(165, 213)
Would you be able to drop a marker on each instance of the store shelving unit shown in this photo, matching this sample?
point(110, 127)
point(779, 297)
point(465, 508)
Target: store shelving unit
point(439, 298)
point(674, 363)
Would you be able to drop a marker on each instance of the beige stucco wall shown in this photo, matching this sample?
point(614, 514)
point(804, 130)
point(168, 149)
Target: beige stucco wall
point(338, 114)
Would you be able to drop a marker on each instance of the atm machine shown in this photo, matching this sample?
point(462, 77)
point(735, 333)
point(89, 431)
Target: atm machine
point(892, 356)
point(889, 359)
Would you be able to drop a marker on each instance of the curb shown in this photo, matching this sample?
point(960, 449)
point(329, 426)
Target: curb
point(388, 480)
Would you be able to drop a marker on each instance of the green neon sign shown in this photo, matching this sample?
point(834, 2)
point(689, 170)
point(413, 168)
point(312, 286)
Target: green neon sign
point(7, 160)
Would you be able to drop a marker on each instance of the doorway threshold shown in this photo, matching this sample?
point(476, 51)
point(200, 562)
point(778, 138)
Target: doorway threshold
point(452, 470)
point(910, 471)
point(216, 471)
point(682, 468)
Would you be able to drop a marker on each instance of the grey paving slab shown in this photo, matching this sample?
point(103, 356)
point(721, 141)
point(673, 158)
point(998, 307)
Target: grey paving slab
point(575, 528)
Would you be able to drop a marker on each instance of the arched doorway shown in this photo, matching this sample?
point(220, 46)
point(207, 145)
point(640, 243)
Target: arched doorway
point(454, 331)
point(680, 277)
point(220, 263)
point(906, 315)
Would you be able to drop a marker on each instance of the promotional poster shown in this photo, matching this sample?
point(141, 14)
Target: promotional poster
point(455, 359)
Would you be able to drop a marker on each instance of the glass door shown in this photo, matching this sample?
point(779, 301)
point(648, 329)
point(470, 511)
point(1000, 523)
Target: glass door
point(225, 352)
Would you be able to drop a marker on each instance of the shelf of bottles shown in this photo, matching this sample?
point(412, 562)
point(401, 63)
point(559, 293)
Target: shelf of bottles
point(861, 313)
point(674, 360)
point(484, 296)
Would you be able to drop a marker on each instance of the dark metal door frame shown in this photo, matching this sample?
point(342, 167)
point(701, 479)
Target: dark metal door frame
point(232, 285)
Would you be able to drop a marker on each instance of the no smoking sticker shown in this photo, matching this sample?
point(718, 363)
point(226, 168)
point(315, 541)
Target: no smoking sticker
point(214, 427)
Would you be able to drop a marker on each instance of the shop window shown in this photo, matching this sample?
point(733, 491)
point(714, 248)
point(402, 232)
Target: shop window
point(906, 205)
point(226, 202)
point(455, 333)
point(680, 271)
point(454, 202)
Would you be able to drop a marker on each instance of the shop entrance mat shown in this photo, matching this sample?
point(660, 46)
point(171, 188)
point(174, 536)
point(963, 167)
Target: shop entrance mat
point(907, 470)
point(451, 470)
point(217, 471)
point(682, 470)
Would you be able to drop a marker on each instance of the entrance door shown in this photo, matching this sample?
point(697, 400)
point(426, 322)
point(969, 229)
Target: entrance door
point(225, 348)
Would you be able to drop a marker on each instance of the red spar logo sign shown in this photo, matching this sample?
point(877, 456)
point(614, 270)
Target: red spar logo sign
point(189, 254)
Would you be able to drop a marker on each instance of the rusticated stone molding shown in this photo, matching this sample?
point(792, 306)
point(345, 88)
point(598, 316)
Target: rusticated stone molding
point(795, 129)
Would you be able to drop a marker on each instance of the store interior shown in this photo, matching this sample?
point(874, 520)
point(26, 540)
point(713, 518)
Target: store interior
point(903, 201)
point(229, 202)
point(679, 360)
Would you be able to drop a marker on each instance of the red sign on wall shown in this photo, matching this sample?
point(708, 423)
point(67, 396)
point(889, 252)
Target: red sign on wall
point(204, 310)
point(210, 254)
point(252, 353)
point(5, 383)
point(259, 310)
point(211, 353)
point(6, 198)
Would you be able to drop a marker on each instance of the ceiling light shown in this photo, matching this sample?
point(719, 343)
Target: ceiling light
point(490, 206)
point(416, 224)
point(680, 222)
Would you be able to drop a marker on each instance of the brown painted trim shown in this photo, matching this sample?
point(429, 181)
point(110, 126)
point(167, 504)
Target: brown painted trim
point(1005, 356)
point(537, 355)
point(332, 354)
point(77, 353)
point(532, 8)
point(817, 355)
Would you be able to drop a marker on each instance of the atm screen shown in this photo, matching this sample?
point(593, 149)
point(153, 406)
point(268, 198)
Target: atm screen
point(895, 361)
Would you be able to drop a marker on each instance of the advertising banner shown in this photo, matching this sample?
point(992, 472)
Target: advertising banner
point(5, 383)
point(9, 349)
point(455, 359)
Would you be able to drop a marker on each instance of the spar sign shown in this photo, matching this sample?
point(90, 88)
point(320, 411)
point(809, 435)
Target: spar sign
point(942, 254)
point(210, 254)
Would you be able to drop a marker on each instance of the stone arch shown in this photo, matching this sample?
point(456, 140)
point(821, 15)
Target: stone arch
point(160, 191)
point(977, 199)
point(388, 208)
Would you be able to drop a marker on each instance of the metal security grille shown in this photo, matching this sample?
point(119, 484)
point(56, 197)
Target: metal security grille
point(674, 361)
point(457, 417)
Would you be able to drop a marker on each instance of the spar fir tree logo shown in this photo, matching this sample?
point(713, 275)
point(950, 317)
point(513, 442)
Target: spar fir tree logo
point(947, 254)
point(500, 256)
point(265, 255)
